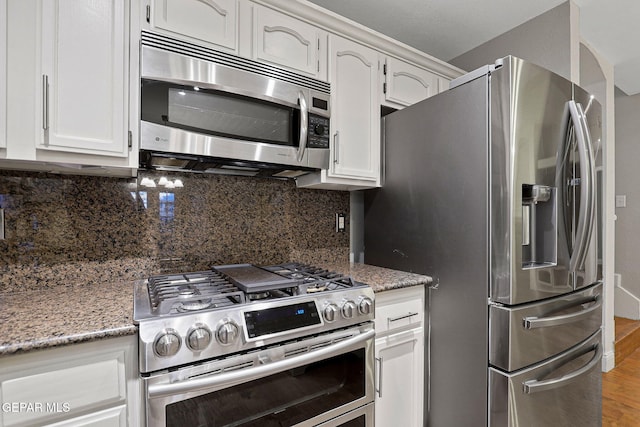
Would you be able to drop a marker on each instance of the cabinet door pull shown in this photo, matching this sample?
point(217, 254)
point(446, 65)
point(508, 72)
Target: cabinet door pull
point(45, 102)
point(336, 140)
point(406, 316)
point(379, 388)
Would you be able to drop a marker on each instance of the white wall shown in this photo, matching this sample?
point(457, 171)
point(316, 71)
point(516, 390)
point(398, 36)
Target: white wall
point(597, 76)
point(627, 176)
point(546, 40)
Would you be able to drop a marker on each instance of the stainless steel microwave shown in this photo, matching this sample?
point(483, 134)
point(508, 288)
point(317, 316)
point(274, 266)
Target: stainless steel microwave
point(209, 111)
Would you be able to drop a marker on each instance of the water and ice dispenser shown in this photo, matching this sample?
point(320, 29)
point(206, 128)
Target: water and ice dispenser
point(539, 226)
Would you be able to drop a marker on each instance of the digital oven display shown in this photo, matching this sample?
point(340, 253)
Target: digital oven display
point(280, 319)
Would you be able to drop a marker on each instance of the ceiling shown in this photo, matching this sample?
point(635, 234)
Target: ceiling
point(449, 28)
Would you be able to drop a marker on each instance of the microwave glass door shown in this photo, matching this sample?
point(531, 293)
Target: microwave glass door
point(219, 113)
point(285, 398)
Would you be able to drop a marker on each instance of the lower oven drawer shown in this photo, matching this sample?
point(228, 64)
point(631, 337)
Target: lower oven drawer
point(562, 391)
point(305, 383)
point(361, 417)
point(522, 335)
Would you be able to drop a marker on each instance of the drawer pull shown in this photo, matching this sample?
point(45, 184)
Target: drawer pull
point(534, 322)
point(379, 376)
point(406, 316)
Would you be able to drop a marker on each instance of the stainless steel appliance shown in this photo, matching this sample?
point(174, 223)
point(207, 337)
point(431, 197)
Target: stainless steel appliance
point(242, 345)
point(490, 187)
point(209, 111)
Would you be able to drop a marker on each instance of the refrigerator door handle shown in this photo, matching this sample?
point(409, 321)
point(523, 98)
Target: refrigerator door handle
point(535, 386)
point(586, 187)
point(533, 322)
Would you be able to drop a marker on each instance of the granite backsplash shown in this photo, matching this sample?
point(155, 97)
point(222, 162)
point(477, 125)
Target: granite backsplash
point(82, 230)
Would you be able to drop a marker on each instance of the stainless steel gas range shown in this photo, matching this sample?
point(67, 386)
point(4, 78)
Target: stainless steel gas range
point(242, 345)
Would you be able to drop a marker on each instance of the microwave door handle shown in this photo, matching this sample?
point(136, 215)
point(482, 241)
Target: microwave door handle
point(585, 188)
point(228, 379)
point(304, 125)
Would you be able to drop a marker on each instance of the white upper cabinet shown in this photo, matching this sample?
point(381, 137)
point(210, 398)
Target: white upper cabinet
point(285, 41)
point(355, 119)
point(405, 84)
point(3, 74)
point(355, 115)
point(84, 77)
point(210, 21)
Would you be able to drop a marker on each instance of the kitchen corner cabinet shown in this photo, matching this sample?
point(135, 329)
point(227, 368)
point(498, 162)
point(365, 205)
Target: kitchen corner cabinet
point(210, 21)
point(285, 41)
point(405, 84)
point(84, 81)
point(399, 357)
point(355, 119)
point(89, 384)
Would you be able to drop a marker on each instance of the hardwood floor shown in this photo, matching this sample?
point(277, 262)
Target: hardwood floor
point(621, 393)
point(621, 385)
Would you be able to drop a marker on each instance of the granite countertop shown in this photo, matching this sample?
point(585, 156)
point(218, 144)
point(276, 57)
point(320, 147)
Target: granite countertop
point(380, 279)
point(39, 319)
point(44, 318)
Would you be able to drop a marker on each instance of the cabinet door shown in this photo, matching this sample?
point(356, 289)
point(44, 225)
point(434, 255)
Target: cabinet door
point(355, 115)
point(3, 74)
point(283, 40)
point(399, 381)
point(211, 21)
point(84, 76)
point(406, 84)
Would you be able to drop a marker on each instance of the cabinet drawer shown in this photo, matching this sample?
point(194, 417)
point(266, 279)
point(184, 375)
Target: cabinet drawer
point(398, 309)
point(67, 390)
point(112, 417)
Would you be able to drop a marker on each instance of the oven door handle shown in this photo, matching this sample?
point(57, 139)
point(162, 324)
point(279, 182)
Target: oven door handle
point(245, 375)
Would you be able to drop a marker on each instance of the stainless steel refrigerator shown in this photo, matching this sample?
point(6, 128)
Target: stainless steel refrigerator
point(491, 188)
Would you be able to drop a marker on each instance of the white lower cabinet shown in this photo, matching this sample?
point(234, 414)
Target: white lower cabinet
point(399, 357)
point(90, 384)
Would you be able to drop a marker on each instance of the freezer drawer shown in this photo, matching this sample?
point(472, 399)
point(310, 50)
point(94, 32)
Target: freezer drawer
point(563, 391)
point(523, 335)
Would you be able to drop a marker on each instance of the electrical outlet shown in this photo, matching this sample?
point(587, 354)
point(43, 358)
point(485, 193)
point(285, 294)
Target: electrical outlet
point(340, 223)
point(621, 201)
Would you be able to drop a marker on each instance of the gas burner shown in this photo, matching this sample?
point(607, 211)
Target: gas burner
point(258, 296)
point(195, 305)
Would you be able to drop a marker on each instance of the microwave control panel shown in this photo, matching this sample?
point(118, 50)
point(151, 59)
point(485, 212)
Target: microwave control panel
point(318, 134)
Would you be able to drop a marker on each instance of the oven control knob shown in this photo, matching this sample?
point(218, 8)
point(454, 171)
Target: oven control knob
point(365, 305)
point(227, 333)
point(318, 129)
point(330, 312)
point(167, 343)
point(348, 309)
point(198, 337)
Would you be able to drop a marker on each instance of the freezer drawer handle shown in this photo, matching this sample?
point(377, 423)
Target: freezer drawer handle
point(534, 386)
point(534, 322)
point(406, 316)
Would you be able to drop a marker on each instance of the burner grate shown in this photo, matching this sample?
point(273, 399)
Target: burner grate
point(191, 292)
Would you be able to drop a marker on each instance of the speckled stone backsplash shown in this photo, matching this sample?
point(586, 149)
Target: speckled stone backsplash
point(79, 231)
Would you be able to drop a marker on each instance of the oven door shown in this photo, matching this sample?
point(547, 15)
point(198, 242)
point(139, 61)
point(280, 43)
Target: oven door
point(303, 383)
